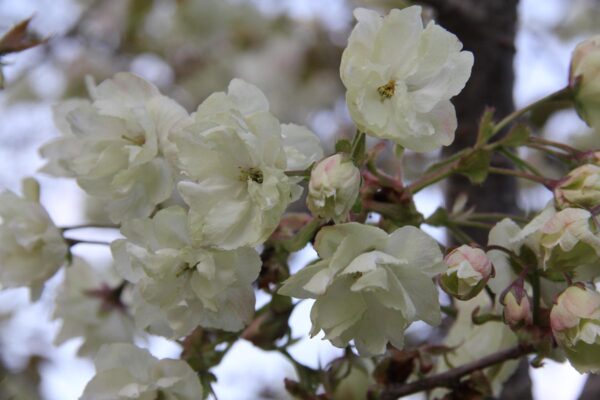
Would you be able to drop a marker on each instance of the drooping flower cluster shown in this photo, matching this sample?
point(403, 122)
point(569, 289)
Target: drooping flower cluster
point(400, 77)
point(369, 286)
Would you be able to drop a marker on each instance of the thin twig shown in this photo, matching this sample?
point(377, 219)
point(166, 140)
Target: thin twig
point(452, 377)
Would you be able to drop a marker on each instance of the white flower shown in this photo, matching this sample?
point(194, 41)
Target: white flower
point(125, 372)
point(469, 269)
point(333, 188)
point(584, 77)
point(575, 321)
point(116, 146)
point(181, 284)
point(302, 147)
point(503, 234)
point(369, 286)
point(235, 160)
point(32, 248)
point(567, 238)
point(88, 308)
point(400, 77)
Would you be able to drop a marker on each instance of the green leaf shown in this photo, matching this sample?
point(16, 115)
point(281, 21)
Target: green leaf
point(475, 165)
point(399, 150)
point(359, 146)
point(517, 136)
point(438, 218)
point(486, 127)
point(343, 146)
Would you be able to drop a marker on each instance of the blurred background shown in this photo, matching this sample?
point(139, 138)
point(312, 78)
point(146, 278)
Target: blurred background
point(190, 48)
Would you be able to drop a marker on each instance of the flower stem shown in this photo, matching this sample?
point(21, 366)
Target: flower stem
point(535, 286)
point(548, 183)
point(558, 95)
point(551, 143)
point(430, 179)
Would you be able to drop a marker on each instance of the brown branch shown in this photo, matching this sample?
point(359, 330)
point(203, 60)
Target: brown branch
point(452, 377)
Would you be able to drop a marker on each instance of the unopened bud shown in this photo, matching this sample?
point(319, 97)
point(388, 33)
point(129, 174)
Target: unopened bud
point(517, 308)
point(581, 188)
point(333, 188)
point(584, 77)
point(469, 269)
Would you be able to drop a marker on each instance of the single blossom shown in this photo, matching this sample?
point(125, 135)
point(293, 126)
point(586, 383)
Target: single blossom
point(90, 305)
point(117, 146)
point(179, 285)
point(368, 285)
point(584, 78)
point(333, 188)
point(580, 188)
point(234, 157)
point(126, 372)
point(575, 321)
point(469, 269)
point(566, 239)
point(400, 77)
point(32, 248)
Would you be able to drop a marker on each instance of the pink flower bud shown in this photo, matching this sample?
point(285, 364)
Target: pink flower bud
point(469, 268)
point(333, 188)
point(584, 77)
point(581, 187)
point(517, 308)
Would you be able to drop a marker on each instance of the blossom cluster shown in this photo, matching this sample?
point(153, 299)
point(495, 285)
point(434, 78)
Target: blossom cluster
point(197, 196)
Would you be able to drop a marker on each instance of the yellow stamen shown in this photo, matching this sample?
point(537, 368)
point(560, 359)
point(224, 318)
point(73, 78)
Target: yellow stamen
point(386, 91)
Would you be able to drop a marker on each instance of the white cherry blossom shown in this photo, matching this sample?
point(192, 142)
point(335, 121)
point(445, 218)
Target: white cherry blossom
point(234, 158)
point(179, 285)
point(369, 286)
point(32, 248)
point(400, 77)
point(117, 146)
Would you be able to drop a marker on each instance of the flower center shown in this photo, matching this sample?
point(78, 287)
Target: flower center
point(139, 140)
point(386, 91)
point(251, 173)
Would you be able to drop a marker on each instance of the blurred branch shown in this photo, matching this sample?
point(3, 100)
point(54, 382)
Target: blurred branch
point(453, 376)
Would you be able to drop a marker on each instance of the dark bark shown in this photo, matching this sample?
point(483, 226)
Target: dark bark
point(591, 390)
point(486, 28)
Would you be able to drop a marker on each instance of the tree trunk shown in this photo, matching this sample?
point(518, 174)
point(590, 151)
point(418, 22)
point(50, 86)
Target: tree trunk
point(486, 28)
